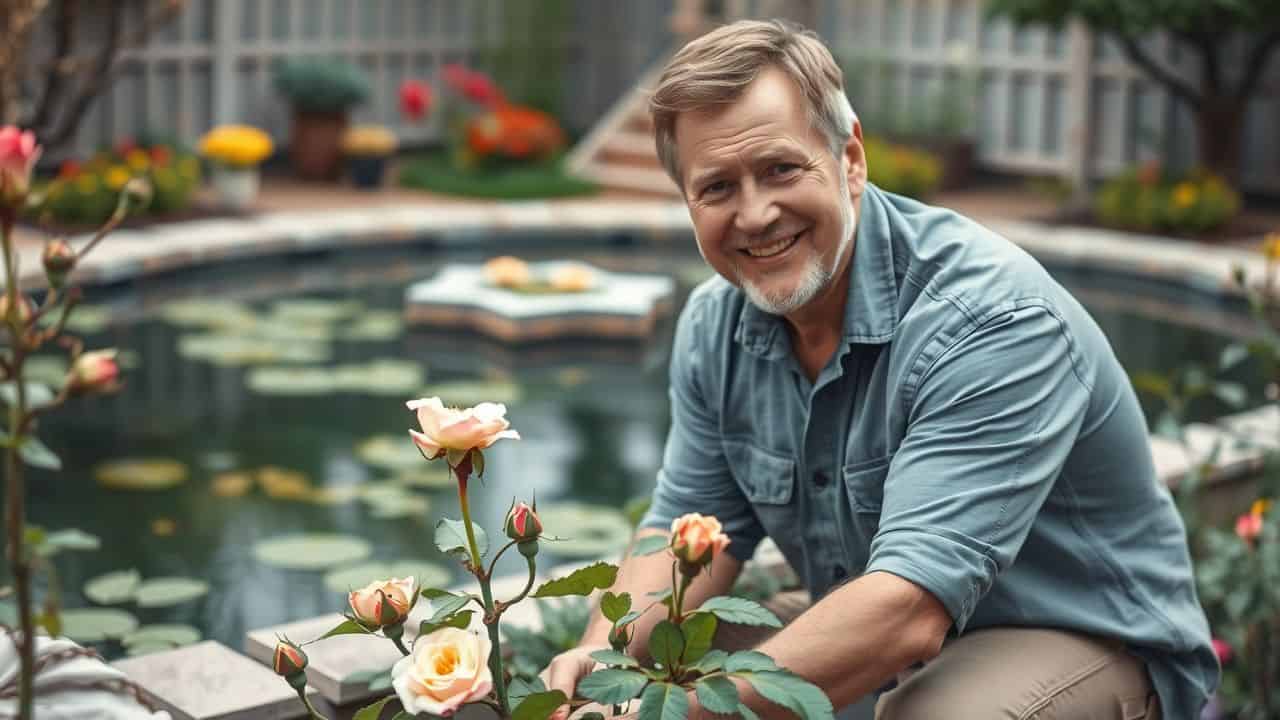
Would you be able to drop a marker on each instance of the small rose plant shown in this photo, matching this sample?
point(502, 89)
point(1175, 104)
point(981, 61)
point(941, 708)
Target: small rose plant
point(446, 665)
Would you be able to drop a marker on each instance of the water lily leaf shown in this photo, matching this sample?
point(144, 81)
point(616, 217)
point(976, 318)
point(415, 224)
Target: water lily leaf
point(218, 460)
point(85, 319)
point(354, 577)
point(146, 648)
point(113, 587)
point(291, 381)
point(581, 530)
point(334, 494)
point(284, 329)
point(406, 505)
point(228, 350)
point(380, 377)
point(172, 635)
point(311, 551)
point(69, 539)
point(195, 313)
point(48, 370)
point(86, 625)
point(471, 393)
point(391, 452)
point(141, 473)
point(166, 591)
point(374, 326)
point(312, 310)
point(433, 476)
point(284, 484)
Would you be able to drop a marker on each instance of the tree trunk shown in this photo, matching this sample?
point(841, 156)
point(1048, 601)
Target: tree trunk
point(1219, 127)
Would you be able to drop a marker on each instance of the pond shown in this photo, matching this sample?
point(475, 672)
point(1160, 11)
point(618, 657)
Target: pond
point(251, 451)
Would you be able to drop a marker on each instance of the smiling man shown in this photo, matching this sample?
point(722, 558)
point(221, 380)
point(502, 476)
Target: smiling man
point(896, 395)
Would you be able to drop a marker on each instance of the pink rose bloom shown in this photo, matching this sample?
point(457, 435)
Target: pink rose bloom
point(446, 669)
point(1249, 527)
point(18, 155)
point(95, 370)
point(370, 609)
point(1223, 650)
point(696, 539)
point(445, 429)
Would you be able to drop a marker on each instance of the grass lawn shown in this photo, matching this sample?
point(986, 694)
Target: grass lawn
point(433, 171)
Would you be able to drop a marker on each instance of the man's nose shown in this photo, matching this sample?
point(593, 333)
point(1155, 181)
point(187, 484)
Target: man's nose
point(756, 210)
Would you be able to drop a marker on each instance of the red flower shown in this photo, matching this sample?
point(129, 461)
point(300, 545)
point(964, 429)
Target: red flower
point(1249, 527)
point(68, 169)
point(473, 85)
point(415, 99)
point(160, 155)
point(1223, 650)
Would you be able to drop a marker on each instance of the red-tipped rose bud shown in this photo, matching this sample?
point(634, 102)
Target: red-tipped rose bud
point(288, 659)
point(620, 637)
point(522, 523)
point(58, 259)
point(95, 371)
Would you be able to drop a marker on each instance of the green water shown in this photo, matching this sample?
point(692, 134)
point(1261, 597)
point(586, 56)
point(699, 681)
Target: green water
point(592, 417)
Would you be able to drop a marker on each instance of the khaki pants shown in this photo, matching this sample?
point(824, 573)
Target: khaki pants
point(1014, 673)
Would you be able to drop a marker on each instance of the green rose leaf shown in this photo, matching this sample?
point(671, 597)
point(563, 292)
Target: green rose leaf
point(664, 701)
point(433, 593)
point(346, 627)
point(37, 454)
point(740, 611)
point(521, 688)
point(615, 606)
point(613, 657)
point(37, 394)
point(371, 712)
point(451, 538)
point(699, 629)
point(539, 706)
point(443, 608)
point(612, 686)
point(460, 620)
point(792, 692)
point(717, 694)
point(666, 644)
point(582, 581)
point(650, 544)
point(710, 662)
point(749, 661)
point(627, 619)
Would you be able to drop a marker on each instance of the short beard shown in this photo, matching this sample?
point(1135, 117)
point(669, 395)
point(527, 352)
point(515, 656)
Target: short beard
point(815, 277)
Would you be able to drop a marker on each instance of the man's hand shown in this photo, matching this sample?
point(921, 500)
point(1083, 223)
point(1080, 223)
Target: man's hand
point(566, 669)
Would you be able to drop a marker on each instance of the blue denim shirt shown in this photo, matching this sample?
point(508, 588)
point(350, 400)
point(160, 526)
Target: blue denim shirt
point(974, 434)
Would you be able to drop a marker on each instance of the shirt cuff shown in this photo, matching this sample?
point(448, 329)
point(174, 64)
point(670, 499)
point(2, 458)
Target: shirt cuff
point(951, 567)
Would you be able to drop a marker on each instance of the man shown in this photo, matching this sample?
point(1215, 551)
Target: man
point(893, 393)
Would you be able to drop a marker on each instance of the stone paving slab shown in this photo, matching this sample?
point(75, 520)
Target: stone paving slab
point(210, 681)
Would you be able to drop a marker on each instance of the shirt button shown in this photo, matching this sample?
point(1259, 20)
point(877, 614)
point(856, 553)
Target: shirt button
point(839, 573)
point(820, 479)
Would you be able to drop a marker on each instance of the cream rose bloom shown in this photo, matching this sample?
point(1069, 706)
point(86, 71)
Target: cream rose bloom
point(449, 429)
point(507, 271)
point(697, 539)
point(447, 668)
point(572, 277)
point(366, 602)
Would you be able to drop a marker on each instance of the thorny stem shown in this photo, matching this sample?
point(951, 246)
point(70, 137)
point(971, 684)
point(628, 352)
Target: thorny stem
point(462, 471)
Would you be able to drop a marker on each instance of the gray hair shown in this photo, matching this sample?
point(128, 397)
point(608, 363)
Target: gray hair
point(715, 69)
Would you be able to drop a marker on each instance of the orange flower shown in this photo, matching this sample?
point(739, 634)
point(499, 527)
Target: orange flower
point(1271, 246)
point(696, 539)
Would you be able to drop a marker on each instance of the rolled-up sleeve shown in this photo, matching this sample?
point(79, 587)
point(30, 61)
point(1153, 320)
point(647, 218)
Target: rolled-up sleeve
point(695, 475)
point(993, 419)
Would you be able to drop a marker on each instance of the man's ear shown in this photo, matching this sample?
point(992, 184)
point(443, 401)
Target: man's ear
point(854, 162)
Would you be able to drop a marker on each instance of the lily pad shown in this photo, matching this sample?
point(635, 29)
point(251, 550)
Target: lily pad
point(334, 494)
point(146, 648)
point(172, 636)
point(232, 484)
point(352, 577)
point(433, 476)
point(85, 319)
point(470, 393)
point(291, 381)
point(374, 326)
point(589, 531)
point(194, 313)
point(141, 473)
point(228, 350)
point(113, 587)
point(383, 376)
point(311, 551)
point(276, 328)
point(86, 625)
point(391, 500)
point(309, 310)
point(166, 591)
point(284, 484)
point(391, 452)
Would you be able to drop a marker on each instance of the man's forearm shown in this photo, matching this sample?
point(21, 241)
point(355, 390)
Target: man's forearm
point(640, 576)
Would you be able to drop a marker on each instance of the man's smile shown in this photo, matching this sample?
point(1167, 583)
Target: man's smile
point(773, 249)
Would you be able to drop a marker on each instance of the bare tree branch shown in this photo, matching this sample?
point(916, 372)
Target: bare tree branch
point(63, 35)
point(1256, 64)
point(1158, 72)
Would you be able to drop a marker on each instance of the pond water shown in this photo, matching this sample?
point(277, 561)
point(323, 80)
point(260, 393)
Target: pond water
point(260, 464)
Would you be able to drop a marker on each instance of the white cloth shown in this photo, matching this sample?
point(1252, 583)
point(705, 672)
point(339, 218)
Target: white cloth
point(60, 691)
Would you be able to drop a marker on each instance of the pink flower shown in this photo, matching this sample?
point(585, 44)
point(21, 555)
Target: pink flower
point(473, 85)
point(383, 602)
point(696, 539)
point(18, 155)
point(448, 668)
point(94, 371)
point(1249, 527)
point(522, 523)
point(445, 429)
point(1223, 650)
point(288, 659)
point(415, 99)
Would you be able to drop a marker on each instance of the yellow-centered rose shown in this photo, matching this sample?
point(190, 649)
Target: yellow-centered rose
point(445, 429)
point(447, 668)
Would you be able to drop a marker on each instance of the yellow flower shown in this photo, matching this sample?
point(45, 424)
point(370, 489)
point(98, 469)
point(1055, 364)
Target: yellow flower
point(237, 145)
point(1259, 507)
point(138, 159)
point(116, 176)
point(1271, 246)
point(87, 184)
point(1184, 195)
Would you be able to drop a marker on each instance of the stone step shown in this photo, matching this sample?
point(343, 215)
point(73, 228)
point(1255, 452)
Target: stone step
point(632, 146)
point(210, 681)
point(646, 180)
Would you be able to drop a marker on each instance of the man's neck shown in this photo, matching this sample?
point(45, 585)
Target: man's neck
point(817, 327)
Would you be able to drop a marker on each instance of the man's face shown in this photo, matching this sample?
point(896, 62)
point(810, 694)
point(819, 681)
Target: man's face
point(772, 209)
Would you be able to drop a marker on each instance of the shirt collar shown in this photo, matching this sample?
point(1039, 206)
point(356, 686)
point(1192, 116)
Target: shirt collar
point(871, 310)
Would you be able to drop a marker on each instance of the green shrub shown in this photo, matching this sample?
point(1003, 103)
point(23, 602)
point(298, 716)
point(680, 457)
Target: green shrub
point(901, 169)
point(321, 85)
point(87, 193)
point(437, 173)
point(1148, 199)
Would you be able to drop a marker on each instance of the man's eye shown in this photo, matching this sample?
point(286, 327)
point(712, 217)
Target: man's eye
point(715, 188)
point(783, 169)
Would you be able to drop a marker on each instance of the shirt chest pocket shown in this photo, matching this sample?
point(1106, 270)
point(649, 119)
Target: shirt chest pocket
point(768, 481)
point(864, 485)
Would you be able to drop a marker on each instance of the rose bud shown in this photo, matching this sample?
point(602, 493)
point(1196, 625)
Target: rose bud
point(1249, 527)
point(620, 637)
point(288, 659)
point(58, 259)
point(25, 309)
point(696, 539)
point(383, 602)
point(1223, 650)
point(522, 523)
point(18, 155)
point(95, 371)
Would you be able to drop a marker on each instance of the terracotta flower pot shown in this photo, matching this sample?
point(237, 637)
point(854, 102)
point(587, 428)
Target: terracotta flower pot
point(315, 144)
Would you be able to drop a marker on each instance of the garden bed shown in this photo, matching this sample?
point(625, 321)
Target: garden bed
point(436, 173)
